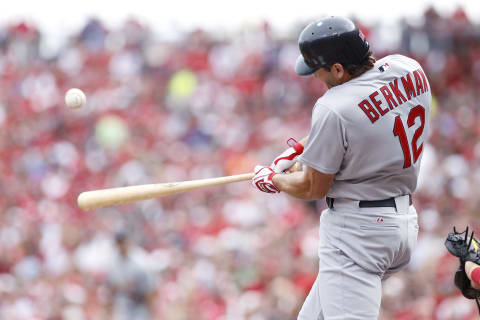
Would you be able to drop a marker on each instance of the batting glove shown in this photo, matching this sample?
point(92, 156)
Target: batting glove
point(288, 157)
point(263, 179)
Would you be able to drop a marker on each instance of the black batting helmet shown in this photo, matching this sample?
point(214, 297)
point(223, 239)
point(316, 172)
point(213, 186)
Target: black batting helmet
point(328, 41)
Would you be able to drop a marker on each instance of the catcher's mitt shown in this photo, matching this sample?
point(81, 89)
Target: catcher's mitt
point(465, 249)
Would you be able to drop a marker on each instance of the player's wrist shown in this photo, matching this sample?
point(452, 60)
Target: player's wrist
point(276, 180)
point(272, 176)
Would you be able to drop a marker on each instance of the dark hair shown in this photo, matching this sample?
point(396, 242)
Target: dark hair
point(353, 69)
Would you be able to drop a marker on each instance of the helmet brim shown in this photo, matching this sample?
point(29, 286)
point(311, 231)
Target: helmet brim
point(301, 67)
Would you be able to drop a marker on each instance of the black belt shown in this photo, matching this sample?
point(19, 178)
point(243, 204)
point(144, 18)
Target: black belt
point(371, 204)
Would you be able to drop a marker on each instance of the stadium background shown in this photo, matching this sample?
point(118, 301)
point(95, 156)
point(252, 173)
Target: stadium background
point(203, 105)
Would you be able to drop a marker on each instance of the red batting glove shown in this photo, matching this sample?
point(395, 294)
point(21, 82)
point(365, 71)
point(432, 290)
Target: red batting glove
point(263, 179)
point(288, 157)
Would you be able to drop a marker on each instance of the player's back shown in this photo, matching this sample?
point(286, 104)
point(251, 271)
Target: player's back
point(383, 115)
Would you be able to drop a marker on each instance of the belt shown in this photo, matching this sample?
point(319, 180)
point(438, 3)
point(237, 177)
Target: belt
point(371, 204)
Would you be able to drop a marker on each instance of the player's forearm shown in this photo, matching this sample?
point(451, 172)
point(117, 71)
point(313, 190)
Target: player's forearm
point(294, 184)
point(305, 184)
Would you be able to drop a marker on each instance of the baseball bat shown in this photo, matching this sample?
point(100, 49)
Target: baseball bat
point(114, 196)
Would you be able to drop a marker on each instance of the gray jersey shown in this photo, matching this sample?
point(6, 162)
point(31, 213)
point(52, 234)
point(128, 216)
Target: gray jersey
point(370, 131)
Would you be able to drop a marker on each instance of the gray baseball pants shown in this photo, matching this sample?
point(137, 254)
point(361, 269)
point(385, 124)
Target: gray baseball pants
point(359, 247)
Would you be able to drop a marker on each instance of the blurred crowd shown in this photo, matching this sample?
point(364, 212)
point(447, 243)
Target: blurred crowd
point(204, 105)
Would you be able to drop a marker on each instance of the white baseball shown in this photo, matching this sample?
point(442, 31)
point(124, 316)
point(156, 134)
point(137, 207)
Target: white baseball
point(75, 98)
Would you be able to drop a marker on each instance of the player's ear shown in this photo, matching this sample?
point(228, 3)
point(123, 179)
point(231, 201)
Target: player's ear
point(338, 70)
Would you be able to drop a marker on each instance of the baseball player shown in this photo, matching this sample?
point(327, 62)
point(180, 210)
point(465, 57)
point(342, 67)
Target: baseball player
point(363, 153)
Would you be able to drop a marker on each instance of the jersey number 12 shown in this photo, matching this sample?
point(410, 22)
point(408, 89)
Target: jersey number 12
point(399, 131)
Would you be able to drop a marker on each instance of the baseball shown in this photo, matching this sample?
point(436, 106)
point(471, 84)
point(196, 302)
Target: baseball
point(75, 98)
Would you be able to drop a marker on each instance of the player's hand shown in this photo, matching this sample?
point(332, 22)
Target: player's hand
point(288, 157)
point(263, 179)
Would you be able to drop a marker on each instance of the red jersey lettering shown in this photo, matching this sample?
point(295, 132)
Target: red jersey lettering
point(394, 86)
point(418, 82)
point(408, 86)
point(368, 110)
point(424, 78)
point(388, 97)
point(377, 103)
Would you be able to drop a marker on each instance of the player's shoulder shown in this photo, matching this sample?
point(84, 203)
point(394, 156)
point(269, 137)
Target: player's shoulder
point(323, 108)
point(332, 102)
point(339, 98)
point(398, 61)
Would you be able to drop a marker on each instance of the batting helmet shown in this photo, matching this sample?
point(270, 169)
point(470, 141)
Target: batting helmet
point(328, 41)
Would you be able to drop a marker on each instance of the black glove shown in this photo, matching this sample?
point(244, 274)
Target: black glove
point(462, 247)
point(466, 250)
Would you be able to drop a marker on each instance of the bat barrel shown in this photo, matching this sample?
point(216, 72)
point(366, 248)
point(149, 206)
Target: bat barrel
point(108, 197)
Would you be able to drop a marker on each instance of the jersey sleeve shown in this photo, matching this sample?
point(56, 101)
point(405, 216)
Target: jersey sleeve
point(326, 142)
